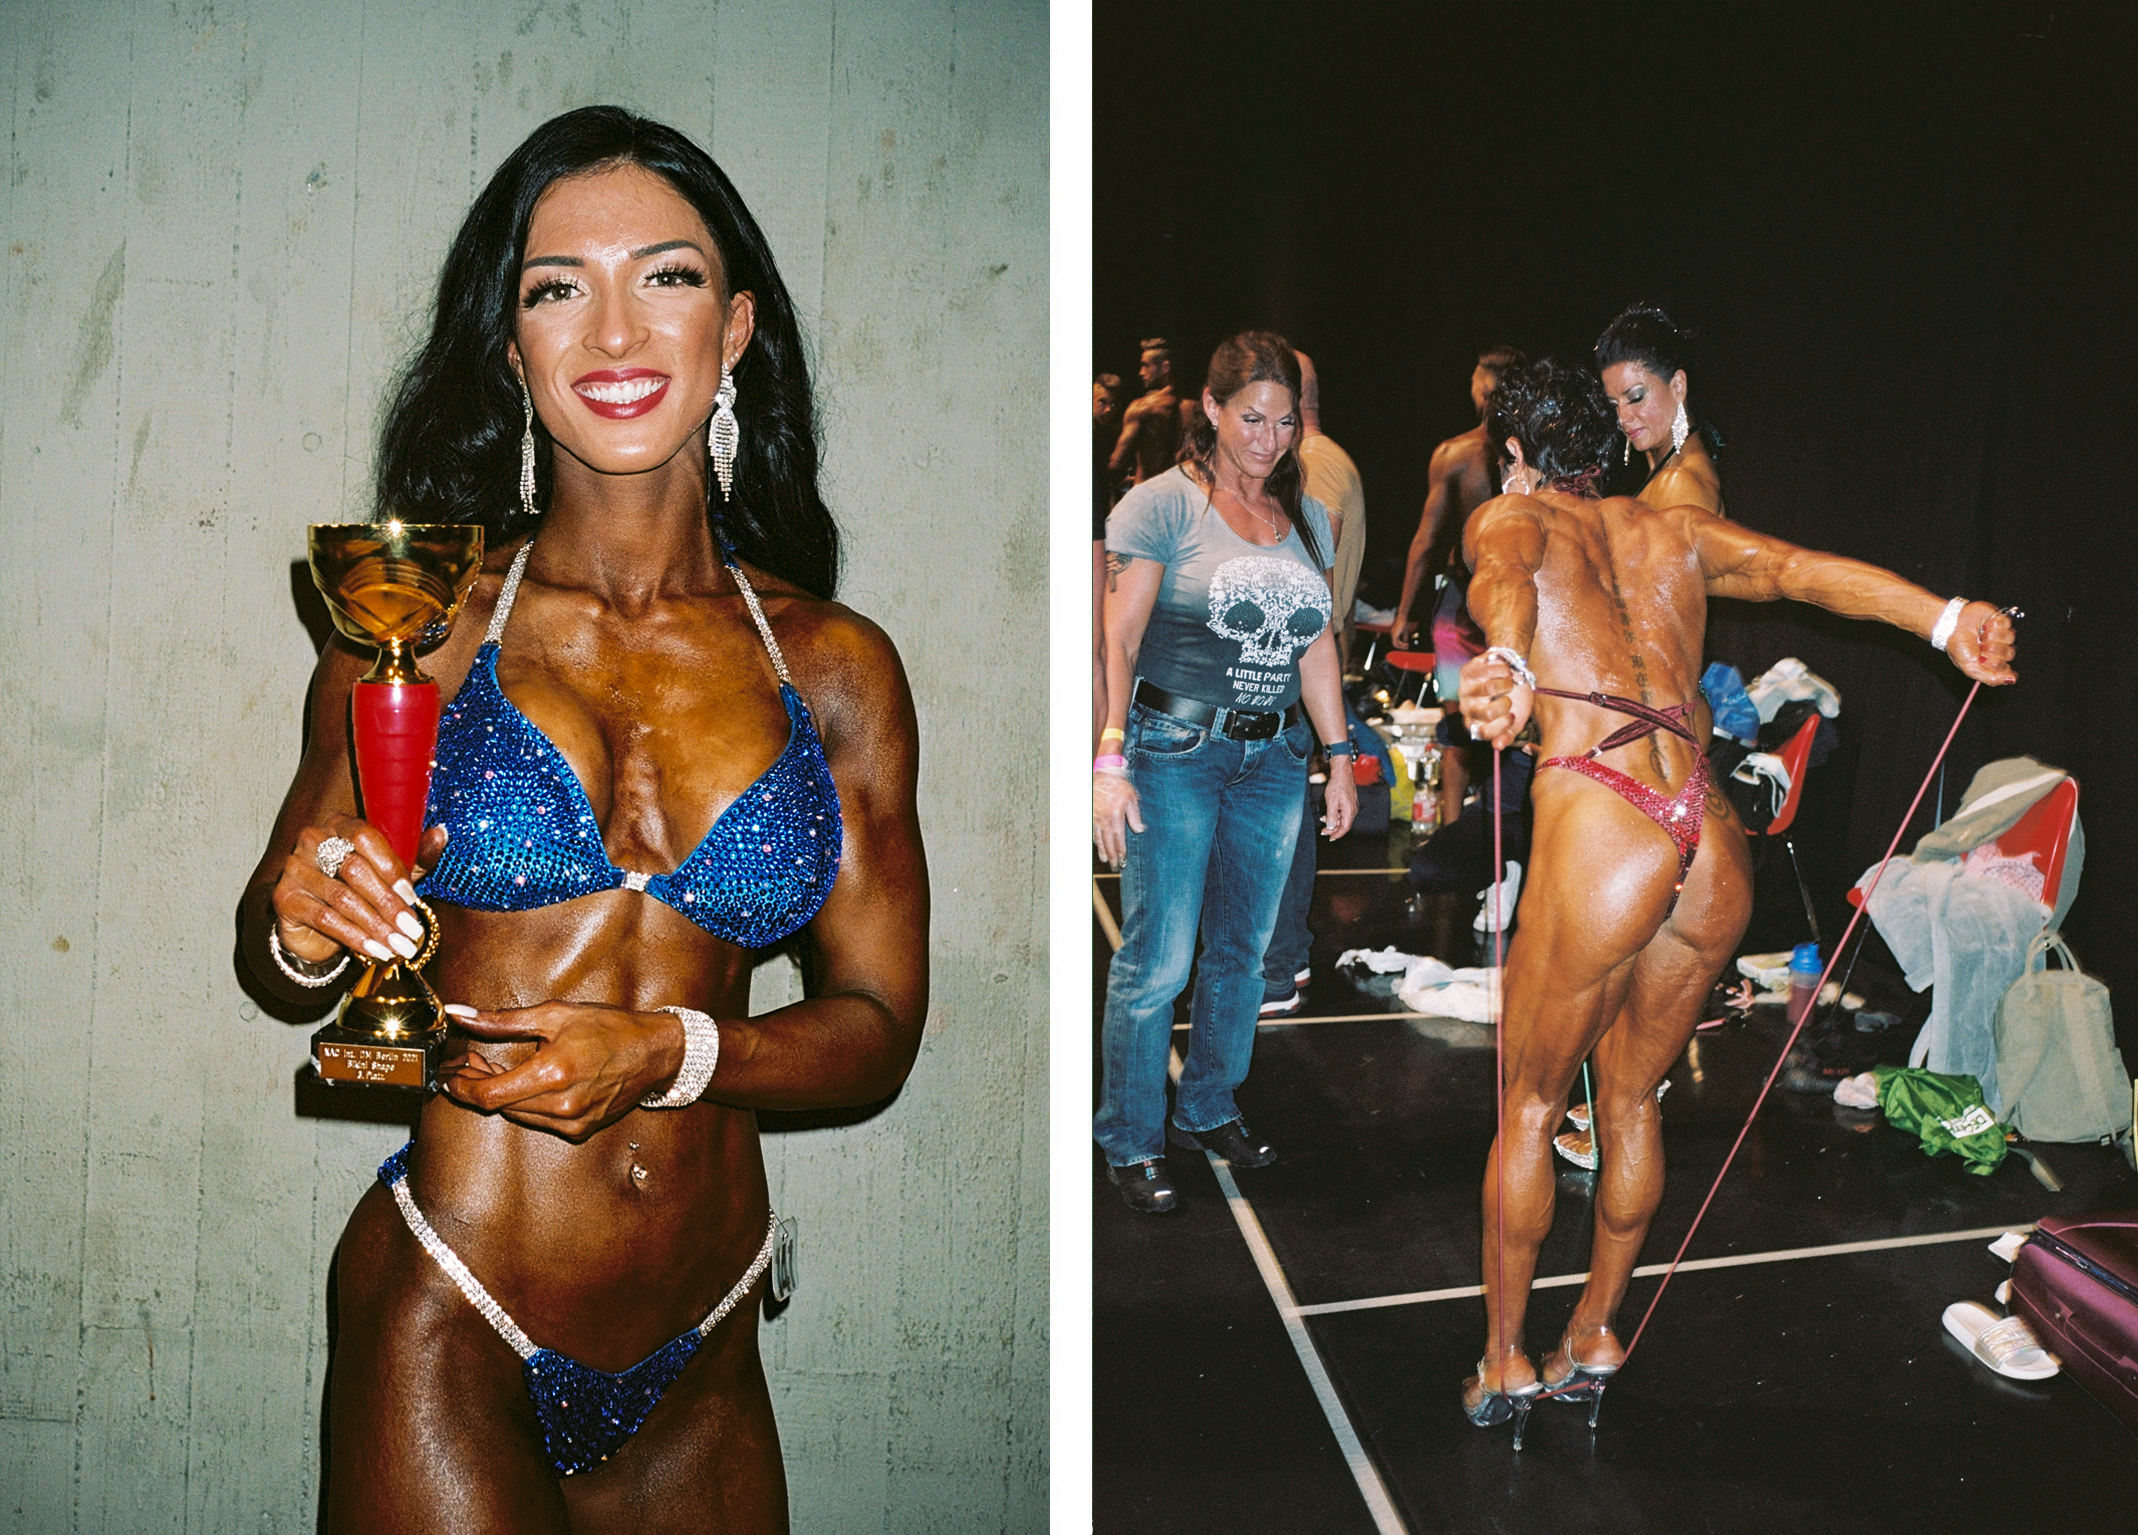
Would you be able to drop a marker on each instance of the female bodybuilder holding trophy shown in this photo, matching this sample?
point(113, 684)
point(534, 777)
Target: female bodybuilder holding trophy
point(663, 746)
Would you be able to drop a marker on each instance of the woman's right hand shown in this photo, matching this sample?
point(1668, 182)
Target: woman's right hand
point(1114, 808)
point(1494, 705)
point(365, 906)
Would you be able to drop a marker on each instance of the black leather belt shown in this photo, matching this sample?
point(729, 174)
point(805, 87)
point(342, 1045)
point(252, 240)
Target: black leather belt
point(1235, 724)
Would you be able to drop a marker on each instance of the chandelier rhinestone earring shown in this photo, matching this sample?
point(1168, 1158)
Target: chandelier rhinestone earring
point(1680, 428)
point(723, 436)
point(1627, 456)
point(527, 483)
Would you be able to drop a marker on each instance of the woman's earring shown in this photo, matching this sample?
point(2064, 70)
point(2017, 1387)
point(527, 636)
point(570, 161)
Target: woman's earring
point(1627, 459)
point(1680, 428)
point(723, 436)
point(527, 506)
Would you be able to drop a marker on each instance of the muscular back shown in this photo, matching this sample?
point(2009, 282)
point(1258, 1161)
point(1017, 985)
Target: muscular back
point(1615, 596)
point(1150, 436)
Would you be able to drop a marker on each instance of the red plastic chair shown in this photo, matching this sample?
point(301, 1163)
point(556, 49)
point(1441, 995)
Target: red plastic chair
point(2044, 832)
point(1419, 663)
point(1795, 755)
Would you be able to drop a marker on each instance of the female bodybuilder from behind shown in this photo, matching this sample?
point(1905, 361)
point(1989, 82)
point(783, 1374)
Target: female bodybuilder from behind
point(1640, 882)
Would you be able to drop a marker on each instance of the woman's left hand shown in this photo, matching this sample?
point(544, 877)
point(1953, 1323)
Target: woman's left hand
point(1340, 798)
point(591, 1065)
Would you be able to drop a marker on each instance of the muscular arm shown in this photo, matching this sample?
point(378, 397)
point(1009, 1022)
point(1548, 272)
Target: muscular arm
point(1441, 477)
point(854, 1040)
point(319, 917)
point(1739, 562)
point(1504, 544)
point(1124, 453)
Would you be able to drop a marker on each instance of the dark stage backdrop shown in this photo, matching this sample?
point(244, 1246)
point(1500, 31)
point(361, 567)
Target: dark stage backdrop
point(1903, 235)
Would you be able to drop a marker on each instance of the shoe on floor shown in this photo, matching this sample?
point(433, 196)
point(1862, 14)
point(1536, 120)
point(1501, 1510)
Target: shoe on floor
point(1231, 1140)
point(1306, 974)
point(1284, 1006)
point(2007, 1346)
point(1578, 1147)
point(1145, 1186)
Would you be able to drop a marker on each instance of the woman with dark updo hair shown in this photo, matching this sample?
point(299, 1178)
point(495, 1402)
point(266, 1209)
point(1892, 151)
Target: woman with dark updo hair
point(1639, 882)
point(664, 746)
point(1221, 676)
point(1641, 359)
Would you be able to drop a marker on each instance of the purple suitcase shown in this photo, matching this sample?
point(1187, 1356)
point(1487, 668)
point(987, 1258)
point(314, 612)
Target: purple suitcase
point(2076, 1282)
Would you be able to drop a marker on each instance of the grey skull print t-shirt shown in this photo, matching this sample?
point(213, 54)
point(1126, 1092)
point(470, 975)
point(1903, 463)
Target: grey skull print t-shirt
point(1232, 618)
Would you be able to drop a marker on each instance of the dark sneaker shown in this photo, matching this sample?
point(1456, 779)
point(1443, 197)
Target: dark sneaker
point(1284, 1006)
point(1145, 1186)
point(1231, 1140)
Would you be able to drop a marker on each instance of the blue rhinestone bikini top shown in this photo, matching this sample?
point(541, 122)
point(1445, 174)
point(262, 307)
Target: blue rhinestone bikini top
point(522, 834)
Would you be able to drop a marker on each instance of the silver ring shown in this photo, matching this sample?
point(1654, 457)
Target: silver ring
point(331, 854)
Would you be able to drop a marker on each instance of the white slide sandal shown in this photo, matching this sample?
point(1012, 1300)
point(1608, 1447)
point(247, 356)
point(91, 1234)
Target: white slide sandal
point(2007, 1345)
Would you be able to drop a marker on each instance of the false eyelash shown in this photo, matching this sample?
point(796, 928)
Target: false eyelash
point(691, 276)
point(540, 291)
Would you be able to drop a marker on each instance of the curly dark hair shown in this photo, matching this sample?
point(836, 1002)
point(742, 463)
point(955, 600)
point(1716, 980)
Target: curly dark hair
point(1557, 413)
point(450, 447)
point(1254, 357)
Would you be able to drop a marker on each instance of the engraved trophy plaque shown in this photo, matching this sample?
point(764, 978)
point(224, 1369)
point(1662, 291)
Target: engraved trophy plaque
point(392, 586)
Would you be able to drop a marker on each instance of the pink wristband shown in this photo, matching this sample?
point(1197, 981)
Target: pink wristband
point(1101, 764)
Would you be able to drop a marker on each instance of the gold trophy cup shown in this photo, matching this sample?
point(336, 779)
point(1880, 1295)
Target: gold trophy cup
point(394, 586)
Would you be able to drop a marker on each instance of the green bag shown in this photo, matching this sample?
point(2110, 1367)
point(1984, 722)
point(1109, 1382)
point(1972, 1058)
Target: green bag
point(1947, 1112)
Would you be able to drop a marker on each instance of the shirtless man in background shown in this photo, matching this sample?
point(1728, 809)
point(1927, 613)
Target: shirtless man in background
point(1150, 431)
point(1640, 884)
point(1458, 481)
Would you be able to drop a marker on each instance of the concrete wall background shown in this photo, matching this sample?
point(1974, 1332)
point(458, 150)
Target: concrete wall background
point(222, 223)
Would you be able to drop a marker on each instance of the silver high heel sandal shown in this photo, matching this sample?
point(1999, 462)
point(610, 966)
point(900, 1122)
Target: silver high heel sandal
point(1581, 1383)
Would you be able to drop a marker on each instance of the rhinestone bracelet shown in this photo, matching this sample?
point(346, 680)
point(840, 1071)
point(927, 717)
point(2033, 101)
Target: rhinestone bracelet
point(701, 1053)
point(1515, 664)
point(287, 962)
point(1949, 620)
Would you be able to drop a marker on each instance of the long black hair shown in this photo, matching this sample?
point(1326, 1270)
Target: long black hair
point(1255, 357)
point(450, 447)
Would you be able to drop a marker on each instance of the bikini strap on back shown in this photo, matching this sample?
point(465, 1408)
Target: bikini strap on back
point(749, 597)
point(506, 594)
point(1647, 719)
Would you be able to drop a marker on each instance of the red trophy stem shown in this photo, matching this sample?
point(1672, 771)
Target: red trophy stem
point(396, 725)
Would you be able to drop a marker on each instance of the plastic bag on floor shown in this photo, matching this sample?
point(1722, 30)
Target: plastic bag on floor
point(1945, 1112)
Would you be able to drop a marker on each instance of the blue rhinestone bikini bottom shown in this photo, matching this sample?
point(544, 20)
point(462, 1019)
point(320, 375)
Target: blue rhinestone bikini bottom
point(586, 1414)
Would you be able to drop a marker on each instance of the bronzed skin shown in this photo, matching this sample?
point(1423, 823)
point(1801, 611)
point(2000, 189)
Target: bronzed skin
point(1458, 481)
point(1151, 426)
point(630, 647)
point(1646, 404)
point(1612, 596)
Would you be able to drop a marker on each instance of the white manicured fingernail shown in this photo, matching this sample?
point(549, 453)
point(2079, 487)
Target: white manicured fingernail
point(460, 1010)
point(405, 891)
point(402, 946)
point(377, 950)
point(408, 924)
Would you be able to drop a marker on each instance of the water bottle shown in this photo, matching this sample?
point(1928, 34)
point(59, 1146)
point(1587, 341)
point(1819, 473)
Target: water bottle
point(1803, 980)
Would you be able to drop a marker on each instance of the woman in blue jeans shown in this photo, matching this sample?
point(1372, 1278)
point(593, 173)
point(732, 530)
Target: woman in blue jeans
point(1221, 676)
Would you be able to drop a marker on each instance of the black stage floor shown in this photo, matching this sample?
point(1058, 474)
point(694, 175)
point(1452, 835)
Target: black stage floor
point(1278, 1359)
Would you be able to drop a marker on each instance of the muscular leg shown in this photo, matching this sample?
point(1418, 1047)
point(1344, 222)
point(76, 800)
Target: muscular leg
point(1671, 979)
point(1601, 881)
point(432, 1429)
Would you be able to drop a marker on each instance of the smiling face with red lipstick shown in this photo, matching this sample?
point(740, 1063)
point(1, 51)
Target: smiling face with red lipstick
point(623, 322)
